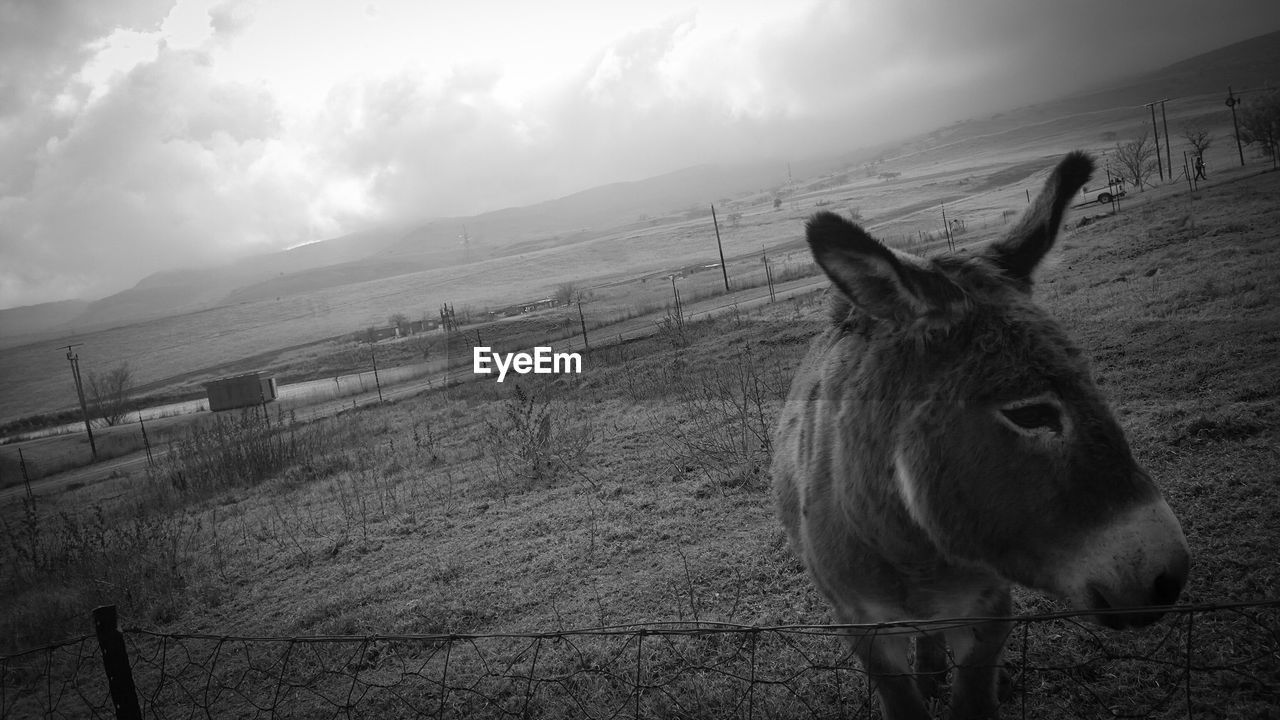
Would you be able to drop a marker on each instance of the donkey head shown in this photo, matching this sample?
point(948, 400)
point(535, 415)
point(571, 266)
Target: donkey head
point(1003, 451)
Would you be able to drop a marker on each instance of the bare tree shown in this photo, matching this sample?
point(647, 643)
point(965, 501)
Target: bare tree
point(565, 293)
point(1136, 160)
point(400, 321)
point(1198, 137)
point(110, 393)
point(1260, 122)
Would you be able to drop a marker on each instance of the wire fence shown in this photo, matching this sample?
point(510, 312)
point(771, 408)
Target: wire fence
point(1200, 661)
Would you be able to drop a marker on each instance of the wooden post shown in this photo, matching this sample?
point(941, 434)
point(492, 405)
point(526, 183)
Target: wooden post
point(946, 229)
point(768, 277)
point(115, 660)
point(26, 479)
point(1232, 102)
point(262, 402)
point(679, 311)
point(583, 321)
point(74, 359)
point(374, 356)
point(1168, 144)
point(723, 269)
point(147, 443)
point(1156, 129)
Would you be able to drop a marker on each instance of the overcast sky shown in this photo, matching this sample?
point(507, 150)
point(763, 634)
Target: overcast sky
point(141, 135)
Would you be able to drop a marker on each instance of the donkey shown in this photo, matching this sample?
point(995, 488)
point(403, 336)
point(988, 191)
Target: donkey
point(944, 439)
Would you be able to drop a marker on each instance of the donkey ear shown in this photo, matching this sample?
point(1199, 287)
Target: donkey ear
point(1025, 246)
point(883, 283)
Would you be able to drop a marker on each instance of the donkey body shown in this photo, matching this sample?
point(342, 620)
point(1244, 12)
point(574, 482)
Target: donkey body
point(943, 440)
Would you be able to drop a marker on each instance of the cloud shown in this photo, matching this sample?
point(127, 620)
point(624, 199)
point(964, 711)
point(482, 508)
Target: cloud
point(695, 89)
point(136, 136)
point(419, 148)
point(228, 19)
point(166, 169)
point(43, 43)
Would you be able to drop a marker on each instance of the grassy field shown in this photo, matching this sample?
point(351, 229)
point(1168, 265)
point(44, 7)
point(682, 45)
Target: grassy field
point(980, 175)
point(637, 492)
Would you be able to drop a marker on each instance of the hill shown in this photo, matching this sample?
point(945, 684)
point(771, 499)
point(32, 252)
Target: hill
point(619, 230)
point(17, 323)
point(390, 252)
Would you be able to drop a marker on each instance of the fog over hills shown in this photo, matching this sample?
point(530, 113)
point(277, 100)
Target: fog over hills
point(432, 244)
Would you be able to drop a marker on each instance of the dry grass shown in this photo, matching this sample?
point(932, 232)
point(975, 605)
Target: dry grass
point(636, 492)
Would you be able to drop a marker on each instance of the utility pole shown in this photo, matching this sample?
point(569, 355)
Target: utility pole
point(376, 381)
point(1115, 196)
point(1232, 102)
point(26, 478)
point(74, 359)
point(946, 230)
point(679, 310)
point(768, 274)
point(151, 461)
point(1167, 143)
point(1156, 129)
point(723, 270)
point(583, 321)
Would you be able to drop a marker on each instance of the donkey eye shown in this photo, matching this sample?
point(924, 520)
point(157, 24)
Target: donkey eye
point(1035, 416)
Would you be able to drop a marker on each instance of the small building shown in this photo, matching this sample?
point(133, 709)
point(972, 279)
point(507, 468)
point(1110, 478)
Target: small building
point(241, 391)
point(536, 305)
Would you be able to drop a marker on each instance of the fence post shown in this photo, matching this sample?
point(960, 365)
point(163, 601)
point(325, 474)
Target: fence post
point(639, 661)
point(115, 660)
point(26, 479)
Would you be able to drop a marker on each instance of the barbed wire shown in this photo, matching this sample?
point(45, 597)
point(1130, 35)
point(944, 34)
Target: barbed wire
point(1208, 660)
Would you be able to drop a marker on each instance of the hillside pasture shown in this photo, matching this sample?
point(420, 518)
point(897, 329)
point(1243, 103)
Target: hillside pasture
point(638, 492)
point(981, 170)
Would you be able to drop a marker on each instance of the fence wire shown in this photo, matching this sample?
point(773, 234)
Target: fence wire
point(1219, 661)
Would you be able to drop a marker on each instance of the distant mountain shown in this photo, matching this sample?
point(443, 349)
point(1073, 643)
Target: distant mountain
point(20, 322)
point(391, 251)
point(177, 291)
point(1249, 64)
point(604, 206)
point(454, 241)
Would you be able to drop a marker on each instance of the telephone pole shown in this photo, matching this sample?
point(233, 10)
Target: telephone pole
point(1232, 102)
point(679, 310)
point(583, 321)
point(374, 357)
point(1167, 143)
point(1156, 129)
point(723, 270)
point(74, 359)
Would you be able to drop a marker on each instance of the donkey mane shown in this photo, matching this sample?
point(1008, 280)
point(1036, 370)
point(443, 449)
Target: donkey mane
point(982, 292)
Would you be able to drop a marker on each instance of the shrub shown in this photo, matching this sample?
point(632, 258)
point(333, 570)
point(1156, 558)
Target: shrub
point(235, 451)
point(531, 442)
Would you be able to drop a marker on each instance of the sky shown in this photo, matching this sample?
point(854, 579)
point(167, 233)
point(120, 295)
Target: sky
point(143, 135)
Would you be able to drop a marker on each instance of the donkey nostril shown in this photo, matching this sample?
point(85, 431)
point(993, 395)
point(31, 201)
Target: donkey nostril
point(1167, 588)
